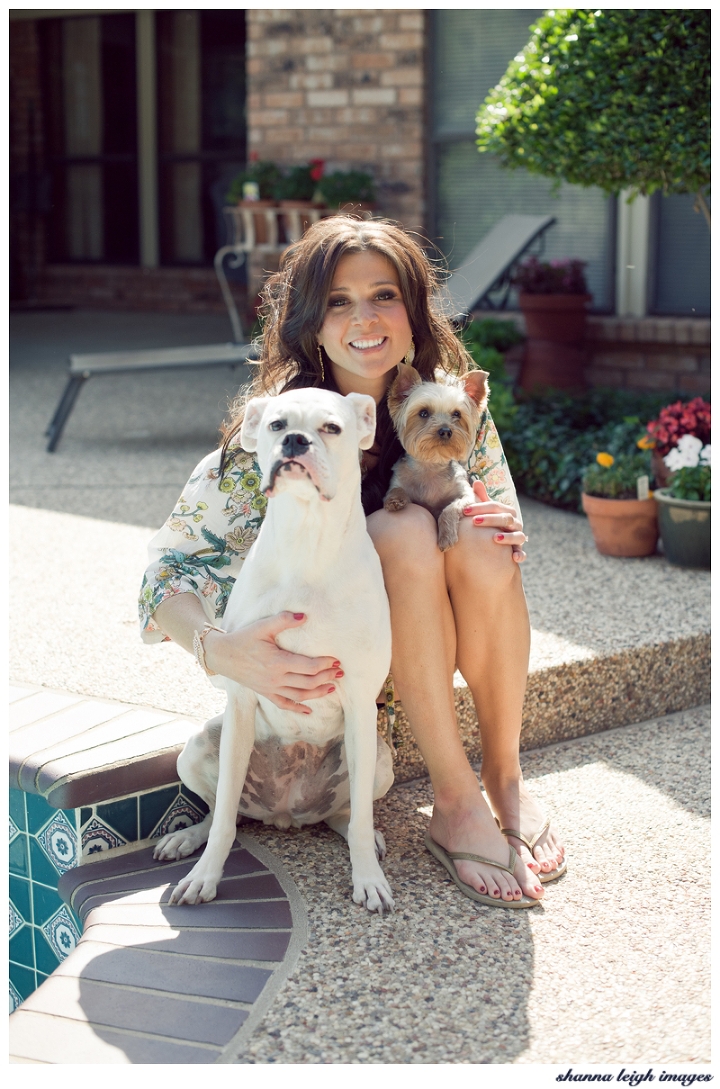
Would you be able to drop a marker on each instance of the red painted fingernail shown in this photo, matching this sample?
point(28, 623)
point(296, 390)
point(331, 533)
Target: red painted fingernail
point(336, 665)
point(467, 510)
point(331, 689)
point(339, 674)
point(499, 536)
point(298, 616)
point(478, 521)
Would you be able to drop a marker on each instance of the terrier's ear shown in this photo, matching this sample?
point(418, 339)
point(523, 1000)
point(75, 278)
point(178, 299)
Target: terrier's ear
point(365, 411)
point(254, 411)
point(476, 386)
point(402, 387)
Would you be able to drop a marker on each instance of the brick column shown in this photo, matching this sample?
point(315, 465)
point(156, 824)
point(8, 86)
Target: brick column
point(346, 86)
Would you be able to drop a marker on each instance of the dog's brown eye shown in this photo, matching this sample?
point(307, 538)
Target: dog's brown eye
point(456, 415)
point(332, 429)
point(423, 413)
point(278, 425)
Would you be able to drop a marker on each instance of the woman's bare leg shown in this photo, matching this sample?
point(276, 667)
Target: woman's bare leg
point(424, 650)
point(493, 647)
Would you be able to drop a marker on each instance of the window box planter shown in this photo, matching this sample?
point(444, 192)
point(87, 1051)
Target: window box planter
point(685, 529)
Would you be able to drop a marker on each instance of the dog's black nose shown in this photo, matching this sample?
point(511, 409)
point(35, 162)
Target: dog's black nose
point(295, 443)
point(444, 432)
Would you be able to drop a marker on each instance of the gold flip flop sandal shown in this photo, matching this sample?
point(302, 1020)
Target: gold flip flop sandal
point(551, 875)
point(446, 858)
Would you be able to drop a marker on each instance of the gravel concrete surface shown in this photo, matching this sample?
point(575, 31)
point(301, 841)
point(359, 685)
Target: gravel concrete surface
point(612, 968)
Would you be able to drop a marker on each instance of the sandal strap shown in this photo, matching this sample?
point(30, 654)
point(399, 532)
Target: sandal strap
point(529, 843)
point(487, 861)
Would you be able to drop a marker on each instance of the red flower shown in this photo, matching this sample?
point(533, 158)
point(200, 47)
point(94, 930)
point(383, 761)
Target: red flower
point(254, 156)
point(677, 420)
point(318, 165)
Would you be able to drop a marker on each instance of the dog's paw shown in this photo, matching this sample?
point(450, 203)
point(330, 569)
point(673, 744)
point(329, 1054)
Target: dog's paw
point(447, 540)
point(373, 893)
point(395, 499)
point(183, 842)
point(197, 887)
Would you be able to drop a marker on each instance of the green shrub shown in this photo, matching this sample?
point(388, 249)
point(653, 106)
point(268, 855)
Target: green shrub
point(347, 187)
point(486, 340)
point(265, 173)
point(552, 437)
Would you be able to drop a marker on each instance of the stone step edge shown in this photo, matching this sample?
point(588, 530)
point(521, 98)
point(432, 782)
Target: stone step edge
point(585, 697)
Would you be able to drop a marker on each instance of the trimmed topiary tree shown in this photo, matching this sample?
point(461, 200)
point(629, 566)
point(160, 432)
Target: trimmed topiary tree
point(616, 98)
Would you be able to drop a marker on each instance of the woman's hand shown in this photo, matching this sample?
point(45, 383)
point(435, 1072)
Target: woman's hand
point(251, 657)
point(497, 515)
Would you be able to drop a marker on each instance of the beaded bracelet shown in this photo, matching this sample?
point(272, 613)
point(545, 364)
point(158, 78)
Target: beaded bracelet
point(199, 648)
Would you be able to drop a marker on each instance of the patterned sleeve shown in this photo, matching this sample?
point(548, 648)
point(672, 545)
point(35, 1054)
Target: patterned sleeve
point(203, 544)
point(489, 464)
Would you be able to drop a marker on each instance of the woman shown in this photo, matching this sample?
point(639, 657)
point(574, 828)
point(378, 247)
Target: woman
point(351, 300)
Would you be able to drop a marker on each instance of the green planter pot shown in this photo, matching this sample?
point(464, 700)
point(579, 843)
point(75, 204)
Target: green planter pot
point(684, 529)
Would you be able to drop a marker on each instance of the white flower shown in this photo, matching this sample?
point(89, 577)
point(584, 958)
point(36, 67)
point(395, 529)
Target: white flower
point(705, 455)
point(685, 454)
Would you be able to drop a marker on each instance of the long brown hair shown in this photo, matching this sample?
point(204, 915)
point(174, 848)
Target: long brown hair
point(294, 304)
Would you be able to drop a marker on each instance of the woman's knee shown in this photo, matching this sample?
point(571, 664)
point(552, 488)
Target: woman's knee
point(406, 539)
point(478, 557)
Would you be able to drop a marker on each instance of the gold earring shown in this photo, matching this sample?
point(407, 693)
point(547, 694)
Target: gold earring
point(322, 365)
point(410, 354)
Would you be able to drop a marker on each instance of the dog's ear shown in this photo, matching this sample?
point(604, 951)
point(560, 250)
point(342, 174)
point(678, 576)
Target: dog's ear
point(476, 386)
point(365, 411)
point(402, 387)
point(254, 410)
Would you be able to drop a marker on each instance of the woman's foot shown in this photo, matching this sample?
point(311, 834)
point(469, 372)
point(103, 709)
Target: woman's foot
point(466, 824)
point(514, 807)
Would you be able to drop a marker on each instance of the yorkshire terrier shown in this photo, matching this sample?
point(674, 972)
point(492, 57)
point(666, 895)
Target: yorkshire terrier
point(436, 422)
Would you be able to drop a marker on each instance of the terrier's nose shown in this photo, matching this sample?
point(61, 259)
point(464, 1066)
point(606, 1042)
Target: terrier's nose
point(444, 432)
point(295, 443)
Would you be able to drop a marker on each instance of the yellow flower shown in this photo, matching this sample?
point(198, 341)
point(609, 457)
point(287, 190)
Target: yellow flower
point(226, 485)
point(606, 460)
point(646, 443)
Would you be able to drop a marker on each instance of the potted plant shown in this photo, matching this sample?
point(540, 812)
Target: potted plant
point(684, 506)
point(254, 188)
point(297, 188)
point(617, 500)
point(349, 190)
point(673, 422)
point(553, 297)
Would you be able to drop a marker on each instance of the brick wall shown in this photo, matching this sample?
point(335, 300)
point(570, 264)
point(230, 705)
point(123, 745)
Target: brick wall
point(650, 353)
point(345, 86)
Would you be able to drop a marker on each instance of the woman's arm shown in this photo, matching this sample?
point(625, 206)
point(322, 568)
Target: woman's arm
point(250, 656)
point(497, 505)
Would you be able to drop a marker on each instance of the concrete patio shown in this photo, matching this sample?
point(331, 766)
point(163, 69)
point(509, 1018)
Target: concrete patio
point(612, 968)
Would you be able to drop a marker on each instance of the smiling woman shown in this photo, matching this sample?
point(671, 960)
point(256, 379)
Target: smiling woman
point(352, 300)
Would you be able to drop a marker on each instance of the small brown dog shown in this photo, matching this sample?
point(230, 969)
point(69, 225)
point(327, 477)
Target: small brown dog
point(436, 423)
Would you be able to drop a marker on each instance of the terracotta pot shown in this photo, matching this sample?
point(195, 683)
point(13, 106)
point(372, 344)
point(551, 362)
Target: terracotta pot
point(260, 220)
point(554, 351)
point(685, 530)
point(622, 527)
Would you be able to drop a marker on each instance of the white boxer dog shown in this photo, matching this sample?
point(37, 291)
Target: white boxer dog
point(313, 555)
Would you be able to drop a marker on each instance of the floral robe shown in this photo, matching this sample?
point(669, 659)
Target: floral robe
point(203, 544)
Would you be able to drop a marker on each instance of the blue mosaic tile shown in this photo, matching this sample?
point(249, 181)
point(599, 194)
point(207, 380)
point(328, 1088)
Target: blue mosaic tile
point(20, 896)
point(121, 815)
point(13, 830)
point(15, 998)
point(17, 808)
point(23, 980)
point(45, 957)
point(21, 947)
point(62, 934)
point(18, 856)
point(41, 868)
point(15, 921)
point(45, 903)
point(59, 841)
point(153, 808)
point(181, 814)
point(97, 836)
point(38, 812)
point(85, 815)
point(195, 799)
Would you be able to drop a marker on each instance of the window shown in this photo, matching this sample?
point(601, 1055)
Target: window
point(201, 127)
point(679, 257)
point(91, 137)
point(470, 192)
